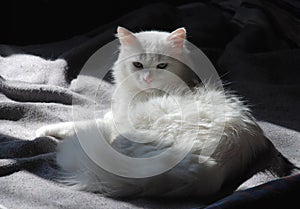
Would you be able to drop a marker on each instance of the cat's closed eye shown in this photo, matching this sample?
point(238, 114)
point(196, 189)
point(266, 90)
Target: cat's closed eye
point(138, 65)
point(162, 65)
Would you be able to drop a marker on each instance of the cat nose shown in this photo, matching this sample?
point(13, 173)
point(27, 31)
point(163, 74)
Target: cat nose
point(148, 79)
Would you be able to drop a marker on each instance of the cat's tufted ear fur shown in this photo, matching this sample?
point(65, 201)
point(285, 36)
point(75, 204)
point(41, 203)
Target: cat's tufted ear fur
point(177, 38)
point(126, 37)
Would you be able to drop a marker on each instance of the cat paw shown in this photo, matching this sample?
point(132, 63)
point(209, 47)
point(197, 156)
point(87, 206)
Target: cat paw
point(59, 131)
point(108, 116)
point(41, 132)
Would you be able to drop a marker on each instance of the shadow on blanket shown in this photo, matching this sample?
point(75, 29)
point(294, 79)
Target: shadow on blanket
point(252, 49)
point(19, 154)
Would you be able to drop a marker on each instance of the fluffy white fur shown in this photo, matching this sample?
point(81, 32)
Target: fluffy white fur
point(150, 48)
point(198, 117)
point(224, 135)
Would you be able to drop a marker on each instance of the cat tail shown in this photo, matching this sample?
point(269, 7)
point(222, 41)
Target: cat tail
point(280, 165)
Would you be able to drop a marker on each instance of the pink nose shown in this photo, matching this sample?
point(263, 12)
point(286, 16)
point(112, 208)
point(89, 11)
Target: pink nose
point(148, 79)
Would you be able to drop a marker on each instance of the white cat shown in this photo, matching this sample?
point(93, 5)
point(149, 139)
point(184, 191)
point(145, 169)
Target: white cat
point(152, 105)
point(147, 66)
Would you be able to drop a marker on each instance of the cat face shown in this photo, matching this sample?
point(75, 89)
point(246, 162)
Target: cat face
point(148, 71)
point(148, 59)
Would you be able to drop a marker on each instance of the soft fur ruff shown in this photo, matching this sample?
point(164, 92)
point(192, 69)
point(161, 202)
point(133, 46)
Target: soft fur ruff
point(206, 118)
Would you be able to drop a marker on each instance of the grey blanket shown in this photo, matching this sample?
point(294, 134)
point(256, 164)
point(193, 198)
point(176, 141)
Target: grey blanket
point(35, 91)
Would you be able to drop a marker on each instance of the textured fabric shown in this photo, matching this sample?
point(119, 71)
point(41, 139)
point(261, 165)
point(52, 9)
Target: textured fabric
point(255, 52)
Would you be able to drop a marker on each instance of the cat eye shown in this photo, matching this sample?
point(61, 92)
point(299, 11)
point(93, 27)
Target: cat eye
point(162, 65)
point(138, 65)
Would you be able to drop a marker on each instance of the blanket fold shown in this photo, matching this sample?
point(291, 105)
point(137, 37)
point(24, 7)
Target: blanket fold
point(253, 44)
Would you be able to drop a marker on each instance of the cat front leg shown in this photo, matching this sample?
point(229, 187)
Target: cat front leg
point(58, 130)
point(67, 129)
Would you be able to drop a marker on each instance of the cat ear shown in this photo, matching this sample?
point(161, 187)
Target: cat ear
point(126, 37)
point(177, 38)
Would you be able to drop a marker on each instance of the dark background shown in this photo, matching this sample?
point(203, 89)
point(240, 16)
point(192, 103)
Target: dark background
point(43, 21)
point(255, 46)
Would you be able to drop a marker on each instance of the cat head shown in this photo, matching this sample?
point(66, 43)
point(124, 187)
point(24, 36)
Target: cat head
point(149, 59)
